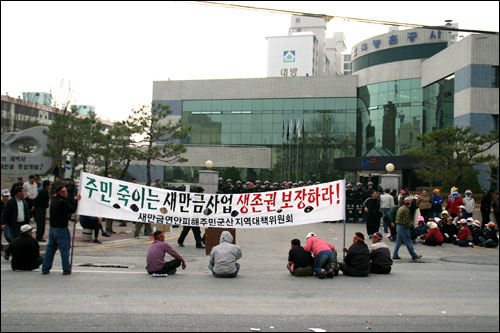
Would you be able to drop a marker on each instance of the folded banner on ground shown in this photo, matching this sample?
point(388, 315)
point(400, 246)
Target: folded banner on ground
point(120, 200)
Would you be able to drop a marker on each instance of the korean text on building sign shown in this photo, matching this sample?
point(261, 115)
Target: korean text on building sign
point(120, 200)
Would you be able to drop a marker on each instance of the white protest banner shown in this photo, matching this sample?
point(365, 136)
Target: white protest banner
point(120, 200)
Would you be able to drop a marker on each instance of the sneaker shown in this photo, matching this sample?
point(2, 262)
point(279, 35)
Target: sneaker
point(97, 241)
point(396, 258)
point(199, 246)
point(180, 245)
point(158, 275)
point(106, 234)
point(330, 274)
point(417, 257)
point(45, 273)
point(66, 273)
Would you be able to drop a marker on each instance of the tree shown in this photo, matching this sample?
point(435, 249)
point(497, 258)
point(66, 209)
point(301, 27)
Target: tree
point(448, 155)
point(159, 138)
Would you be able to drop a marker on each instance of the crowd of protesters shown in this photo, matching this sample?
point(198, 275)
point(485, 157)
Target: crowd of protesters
point(405, 219)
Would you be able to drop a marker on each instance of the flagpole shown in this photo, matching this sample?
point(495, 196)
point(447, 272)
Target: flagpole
point(297, 160)
point(282, 155)
point(289, 151)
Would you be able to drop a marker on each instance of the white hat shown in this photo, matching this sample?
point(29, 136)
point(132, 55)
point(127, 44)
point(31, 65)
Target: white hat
point(437, 219)
point(461, 206)
point(5, 192)
point(432, 225)
point(310, 235)
point(26, 228)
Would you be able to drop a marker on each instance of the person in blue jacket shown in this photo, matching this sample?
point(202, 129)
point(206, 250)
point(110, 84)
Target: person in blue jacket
point(437, 203)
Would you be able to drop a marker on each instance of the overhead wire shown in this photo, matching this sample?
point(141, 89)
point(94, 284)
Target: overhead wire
point(327, 17)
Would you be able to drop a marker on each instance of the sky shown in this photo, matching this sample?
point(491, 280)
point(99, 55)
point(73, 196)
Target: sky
point(110, 53)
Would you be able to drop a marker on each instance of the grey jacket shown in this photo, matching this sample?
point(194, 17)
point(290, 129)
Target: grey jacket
point(225, 255)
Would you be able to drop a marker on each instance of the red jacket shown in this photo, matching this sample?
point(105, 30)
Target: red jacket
point(464, 234)
point(452, 206)
point(436, 234)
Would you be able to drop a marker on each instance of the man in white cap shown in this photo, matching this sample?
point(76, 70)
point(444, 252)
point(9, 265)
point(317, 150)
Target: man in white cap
point(25, 251)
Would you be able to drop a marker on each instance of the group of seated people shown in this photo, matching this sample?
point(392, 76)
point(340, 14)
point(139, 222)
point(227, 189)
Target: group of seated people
point(465, 232)
point(360, 260)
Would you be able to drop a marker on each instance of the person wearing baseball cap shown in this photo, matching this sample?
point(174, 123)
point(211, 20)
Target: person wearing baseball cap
point(24, 250)
point(380, 255)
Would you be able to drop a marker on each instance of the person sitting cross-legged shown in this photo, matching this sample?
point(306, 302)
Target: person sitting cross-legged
point(380, 255)
point(156, 256)
point(223, 257)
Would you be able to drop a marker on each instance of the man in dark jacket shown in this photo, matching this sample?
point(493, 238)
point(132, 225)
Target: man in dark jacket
point(15, 212)
point(486, 207)
point(357, 259)
point(41, 205)
point(24, 250)
point(59, 236)
point(373, 213)
point(380, 256)
point(300, 262)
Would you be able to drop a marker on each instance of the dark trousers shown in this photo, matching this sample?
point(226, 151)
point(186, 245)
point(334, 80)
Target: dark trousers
point(196, 233)
point(486, 218)
point(372, 224)
point(94, 225)
point(431, 241)
point(349, 271)
point(376, 269)
point(169, 267)
point(31, 266)
point(31, 203)
point(40, 222)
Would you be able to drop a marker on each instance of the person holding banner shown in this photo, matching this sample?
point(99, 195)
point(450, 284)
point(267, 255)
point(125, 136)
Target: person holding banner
point(59, 236)
point(155, 260)
point(324, 255)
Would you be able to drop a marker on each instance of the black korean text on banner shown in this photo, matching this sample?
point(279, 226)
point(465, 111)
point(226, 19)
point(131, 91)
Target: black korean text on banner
point(110, 198)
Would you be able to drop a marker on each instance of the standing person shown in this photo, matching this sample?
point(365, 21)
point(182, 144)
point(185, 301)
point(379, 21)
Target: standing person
point(25, 251)
point(386, 203)
point(380, 256)
point(6, 228)
point(403, 224)
point(453, 203)
point(15, 212)
point(56, 172)
point(486, 207)
point(373, 213)
point(324, 255)
point(224, 257)
point(155, 260)
point(496, 208)
point(469, 203)
point(67, 169)
point(20, 182)
point(425, 205)
point(350, 197)
point(391, 221)
point(157, 183)
point(196, 231)
point(300, 262)
point(59, 236)
point(57, 182)
point(437, 203)
point(31, 191)
point(41, 205)
point(357, 260)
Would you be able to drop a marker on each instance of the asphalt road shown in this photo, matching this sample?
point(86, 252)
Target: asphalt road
point(450, 289)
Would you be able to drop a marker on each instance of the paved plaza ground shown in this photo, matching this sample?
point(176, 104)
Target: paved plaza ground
point(450, 289)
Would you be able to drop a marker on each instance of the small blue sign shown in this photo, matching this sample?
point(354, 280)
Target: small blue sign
point(376, 43)
point(393, 39)
point(412, 35)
